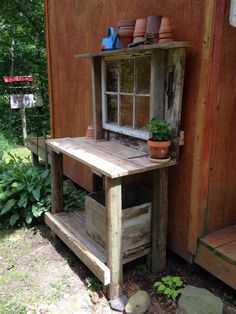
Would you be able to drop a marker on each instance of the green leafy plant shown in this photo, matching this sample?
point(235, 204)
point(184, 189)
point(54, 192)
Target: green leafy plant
point(25, 191)
point(92, 284)
point(73, 198)
point(170, 286)
point(160, 129)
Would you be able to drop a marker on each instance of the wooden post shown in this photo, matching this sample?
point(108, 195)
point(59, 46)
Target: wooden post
point(114, 235)
point(34, 159)
point(24, 128)
point(159, 219)
point(57, 182)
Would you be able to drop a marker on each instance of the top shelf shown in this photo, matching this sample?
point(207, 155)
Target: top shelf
point(135, 51)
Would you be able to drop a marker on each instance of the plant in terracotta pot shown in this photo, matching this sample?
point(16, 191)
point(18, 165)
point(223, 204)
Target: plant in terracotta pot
point(161, 138)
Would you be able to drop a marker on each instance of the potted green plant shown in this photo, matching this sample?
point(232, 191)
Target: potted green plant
point(161, 138)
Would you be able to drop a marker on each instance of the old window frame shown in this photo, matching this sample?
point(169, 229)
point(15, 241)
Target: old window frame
point(130, 131)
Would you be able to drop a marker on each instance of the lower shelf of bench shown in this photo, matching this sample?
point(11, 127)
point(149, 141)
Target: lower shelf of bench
point(70, 228)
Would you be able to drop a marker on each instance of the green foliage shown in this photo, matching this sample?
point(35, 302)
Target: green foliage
point(22, 42)
point(170, 286)
point(24, 191)
point(160, 129)
point(73, 198)
point(92, 284)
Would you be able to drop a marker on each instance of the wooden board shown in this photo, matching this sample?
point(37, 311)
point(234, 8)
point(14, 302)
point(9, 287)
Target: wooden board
point(216, 264)
point(71, 231)
point(136, 51)
point(102, 160)
point(37, 146)
point(220, 237)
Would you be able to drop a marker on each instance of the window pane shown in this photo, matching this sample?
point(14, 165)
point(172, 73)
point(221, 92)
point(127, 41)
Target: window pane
point(112, 106)
point(127, 76)
point(143, 71)
point(112, 75)
point(126, 110)
point(142, 111)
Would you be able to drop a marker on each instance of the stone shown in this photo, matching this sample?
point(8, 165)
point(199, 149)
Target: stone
point(195, 300)
point(138, 303)
point(119, 304)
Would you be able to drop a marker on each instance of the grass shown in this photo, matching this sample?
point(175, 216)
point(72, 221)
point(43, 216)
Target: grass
point(17, 150)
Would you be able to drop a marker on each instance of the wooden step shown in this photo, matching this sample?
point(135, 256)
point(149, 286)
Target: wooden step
point(70, 229)
point(217, 254)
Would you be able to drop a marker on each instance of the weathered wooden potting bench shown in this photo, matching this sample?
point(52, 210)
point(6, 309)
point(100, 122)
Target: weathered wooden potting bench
point(130, 86)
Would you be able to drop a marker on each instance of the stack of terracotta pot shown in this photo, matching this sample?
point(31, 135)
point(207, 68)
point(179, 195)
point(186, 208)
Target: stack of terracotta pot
point(166, 31)
point(139, 30)
point(125, 32)
point(153, 26)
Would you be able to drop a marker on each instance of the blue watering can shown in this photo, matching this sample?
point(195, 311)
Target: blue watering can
point(111, 41)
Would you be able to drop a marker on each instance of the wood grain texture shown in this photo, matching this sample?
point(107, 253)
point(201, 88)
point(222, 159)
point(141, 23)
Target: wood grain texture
point(71, 232)
point(70, 82)
point(222, 178)
point(221, 237)
point(159, 220)
point(216, 265)
point(114, 235)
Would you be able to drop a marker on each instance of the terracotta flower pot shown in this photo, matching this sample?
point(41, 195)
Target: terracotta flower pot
point(158, 150)
point(125, 32)
point(140, 28)
point(166, 26)
point(90, 132)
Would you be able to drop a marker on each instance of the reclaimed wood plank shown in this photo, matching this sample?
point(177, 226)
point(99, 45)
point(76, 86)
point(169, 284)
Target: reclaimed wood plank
point(68, 232)
point(101, 161)
point(159, 220)
point(216, 265)
point(220, 237)
point(57, 181)
point(228, 251)
point(97, 98)
point(114, 235)
point(157, 86)
point(135, 50)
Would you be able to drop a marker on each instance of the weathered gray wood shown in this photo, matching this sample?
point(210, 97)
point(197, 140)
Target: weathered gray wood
point(101, 160)
point(24, 126)
point(34, 159)
point(159, 219)
point(69, 231)
point(97, 98)
point(176, 64)
point(135, 51)
point(114, 235)
point(157, 86)
point(136, 224)
point(57, 181)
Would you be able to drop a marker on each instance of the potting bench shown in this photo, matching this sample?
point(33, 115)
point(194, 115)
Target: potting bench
point(108, 157)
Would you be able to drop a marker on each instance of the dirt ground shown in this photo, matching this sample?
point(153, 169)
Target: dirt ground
point(39, 276)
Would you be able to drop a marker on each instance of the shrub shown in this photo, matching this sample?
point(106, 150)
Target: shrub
point(25, 191)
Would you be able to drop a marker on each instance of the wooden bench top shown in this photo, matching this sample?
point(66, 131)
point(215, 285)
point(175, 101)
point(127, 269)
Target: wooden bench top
point(106, 157)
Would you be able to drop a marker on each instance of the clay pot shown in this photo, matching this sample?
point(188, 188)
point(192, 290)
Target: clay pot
point(153, 24)
point(140, 28)
point(166, 30)
point(125, 32)
point(158, 150)
point(90, 132)
point(123, 23)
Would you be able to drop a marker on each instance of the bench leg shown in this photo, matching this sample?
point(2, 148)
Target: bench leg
point(159, 219)
point(114, 235)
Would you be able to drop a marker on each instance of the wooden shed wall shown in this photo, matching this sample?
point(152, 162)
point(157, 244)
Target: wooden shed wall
point(77, 26)
point(221, 208)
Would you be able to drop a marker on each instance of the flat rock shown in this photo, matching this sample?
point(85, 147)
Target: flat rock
point(119, 304)
point(195, 300)
point(138, 303)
